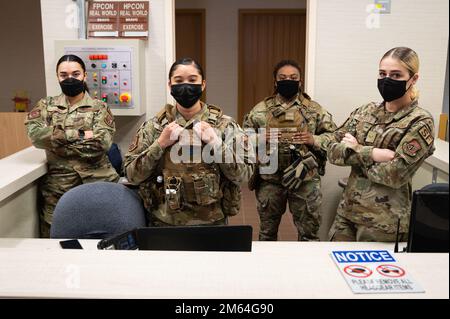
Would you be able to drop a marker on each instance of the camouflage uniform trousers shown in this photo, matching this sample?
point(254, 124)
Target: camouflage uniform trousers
point(154, 222)
point(59, 180)
point(304, 205)
point(345, 230)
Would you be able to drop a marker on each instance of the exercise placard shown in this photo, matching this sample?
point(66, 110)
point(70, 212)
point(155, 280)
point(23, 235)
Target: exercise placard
point(374, 271)
point(113, 19)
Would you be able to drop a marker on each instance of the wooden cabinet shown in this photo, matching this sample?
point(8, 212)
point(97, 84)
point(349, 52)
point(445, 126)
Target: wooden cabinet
point(13, 134)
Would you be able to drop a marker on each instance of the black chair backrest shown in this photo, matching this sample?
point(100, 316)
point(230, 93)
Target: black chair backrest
point(97, 210)
point(429, 228)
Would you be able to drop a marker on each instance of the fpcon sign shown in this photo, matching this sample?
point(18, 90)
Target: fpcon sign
point(111, 19)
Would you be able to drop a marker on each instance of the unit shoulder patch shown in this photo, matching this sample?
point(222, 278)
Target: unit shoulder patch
point(411, 148)
point(134, 144)
point(34, 114)
point(109, 119)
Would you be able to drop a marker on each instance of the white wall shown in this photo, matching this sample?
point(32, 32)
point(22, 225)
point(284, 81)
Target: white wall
point(56, 24)
point(348, 52)
point(222, 44)
point(22, 53)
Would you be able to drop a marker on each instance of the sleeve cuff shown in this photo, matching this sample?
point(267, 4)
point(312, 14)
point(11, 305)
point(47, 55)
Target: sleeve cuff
point(156, 150)
point(318, 143)
point(365, 154)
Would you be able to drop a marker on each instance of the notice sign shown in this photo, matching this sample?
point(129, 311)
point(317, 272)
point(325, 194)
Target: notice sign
point(112, 19)
point(374, 271)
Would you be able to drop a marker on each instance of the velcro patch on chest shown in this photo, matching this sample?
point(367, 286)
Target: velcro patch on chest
point(411, 148)
point(34, 114)
point(289, 115)
point(371, 136)
point(426, 134)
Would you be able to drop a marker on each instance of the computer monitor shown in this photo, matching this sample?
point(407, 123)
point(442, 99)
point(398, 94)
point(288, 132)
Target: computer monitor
point(196, 238)
point(428, 228)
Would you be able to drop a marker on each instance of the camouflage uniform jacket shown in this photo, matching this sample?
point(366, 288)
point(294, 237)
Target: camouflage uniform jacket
point(58, 128)
point(145, 161)
point(318, 121)
point(379, 194)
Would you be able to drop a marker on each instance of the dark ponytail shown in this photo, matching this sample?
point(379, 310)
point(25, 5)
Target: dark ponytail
point(73, 58)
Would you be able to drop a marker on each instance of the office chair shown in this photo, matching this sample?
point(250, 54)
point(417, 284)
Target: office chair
point(436, 187)
point(97, 210)
point(429, 228)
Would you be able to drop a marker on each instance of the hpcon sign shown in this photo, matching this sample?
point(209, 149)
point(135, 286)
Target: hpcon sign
point(112, 19)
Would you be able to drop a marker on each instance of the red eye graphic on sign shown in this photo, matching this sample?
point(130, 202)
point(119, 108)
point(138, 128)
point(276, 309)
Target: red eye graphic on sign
point(390, 271)
point(357, 271)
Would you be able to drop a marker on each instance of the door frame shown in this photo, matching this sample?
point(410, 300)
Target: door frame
point(242, 13)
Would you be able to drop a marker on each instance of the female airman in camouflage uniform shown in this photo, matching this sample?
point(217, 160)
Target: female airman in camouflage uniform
point(295, 122)
point(193, 190)
point(384, 143)
point(76, 132)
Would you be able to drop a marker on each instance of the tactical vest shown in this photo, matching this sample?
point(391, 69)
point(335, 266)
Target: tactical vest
point(194, 186)
point(288, 122)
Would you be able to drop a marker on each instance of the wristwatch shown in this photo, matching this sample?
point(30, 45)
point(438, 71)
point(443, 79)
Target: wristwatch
point(81, 134)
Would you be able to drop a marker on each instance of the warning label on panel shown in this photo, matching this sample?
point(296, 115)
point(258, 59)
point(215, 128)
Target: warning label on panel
point(374, 271)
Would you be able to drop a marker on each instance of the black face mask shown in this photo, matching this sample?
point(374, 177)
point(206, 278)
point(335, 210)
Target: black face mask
point(186, 94)
point(72, 87)
point(391, 89)
point(288, 88)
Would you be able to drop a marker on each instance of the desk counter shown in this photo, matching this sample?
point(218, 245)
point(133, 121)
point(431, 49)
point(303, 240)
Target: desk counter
point(39, 268)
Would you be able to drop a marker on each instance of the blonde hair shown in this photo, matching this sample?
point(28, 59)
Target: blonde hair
point(409, 59)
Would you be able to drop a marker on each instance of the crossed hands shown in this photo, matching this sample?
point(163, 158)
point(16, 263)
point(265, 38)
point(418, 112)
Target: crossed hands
point(379, 155)
point(171, 134)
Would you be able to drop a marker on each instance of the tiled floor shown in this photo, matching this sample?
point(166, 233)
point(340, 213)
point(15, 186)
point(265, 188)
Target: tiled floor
point(249, 216)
